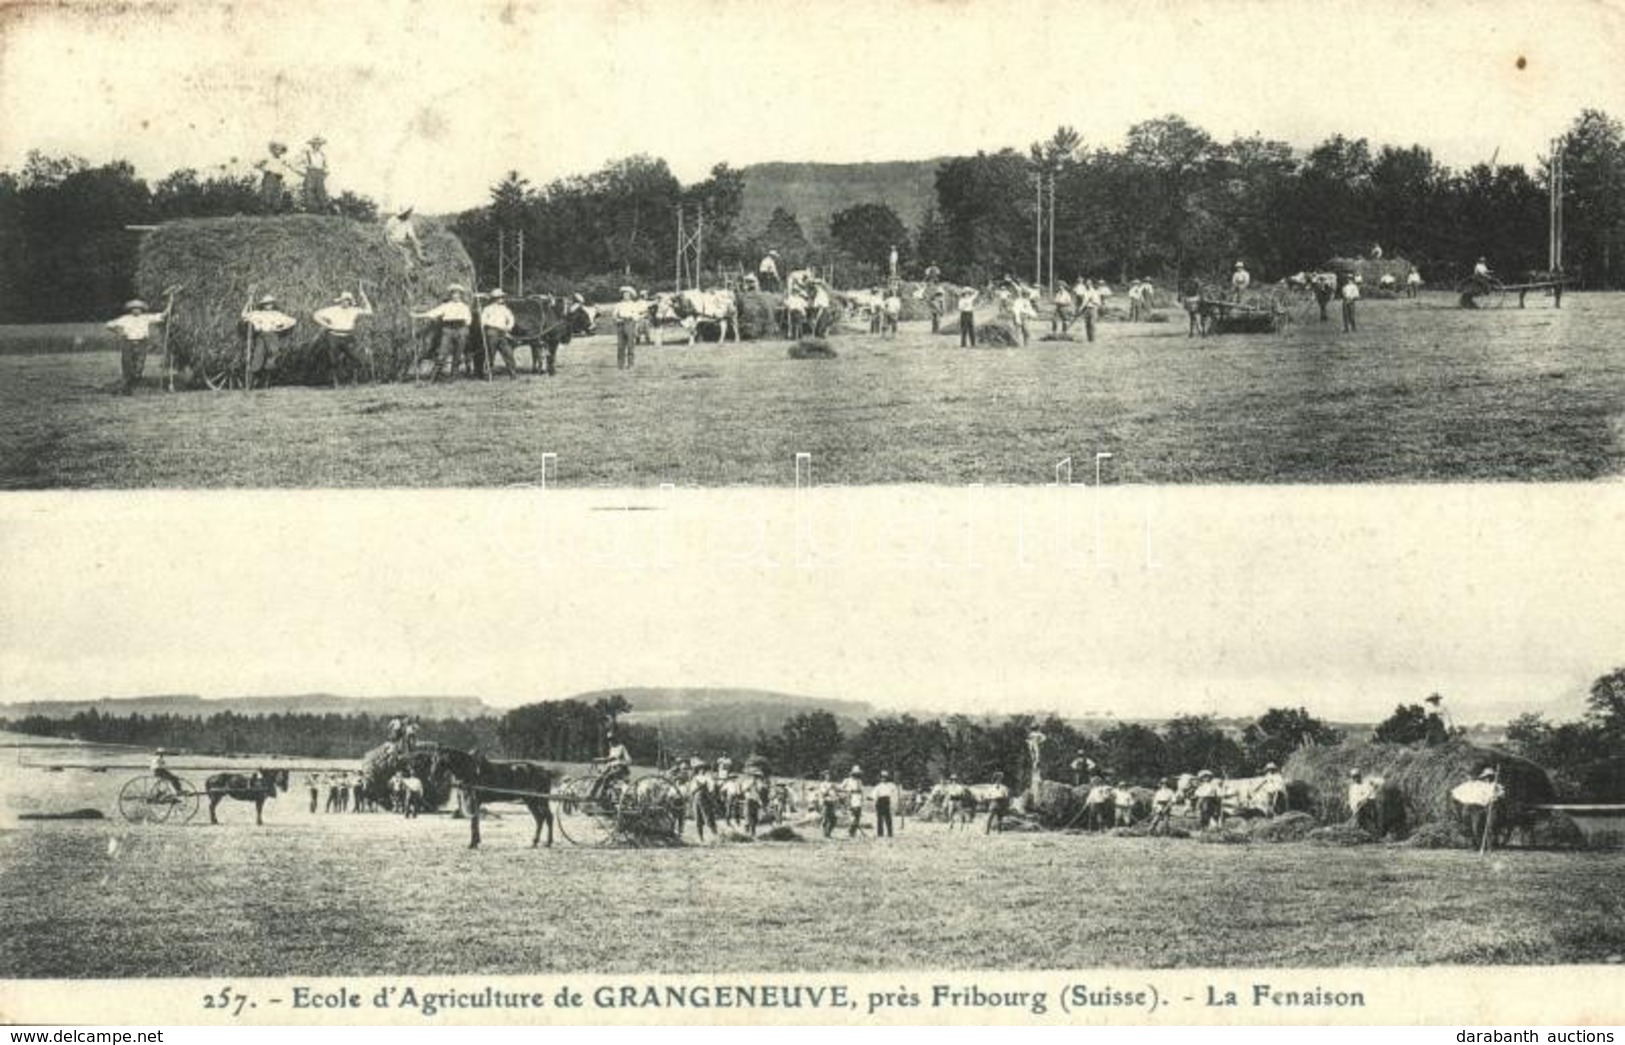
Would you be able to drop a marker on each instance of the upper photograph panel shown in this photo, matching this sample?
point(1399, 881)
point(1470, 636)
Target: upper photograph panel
point(435, 245)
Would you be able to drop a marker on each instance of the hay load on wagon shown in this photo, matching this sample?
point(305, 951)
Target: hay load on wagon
point(1418, 780)
point(304, 260)
point(379, 766)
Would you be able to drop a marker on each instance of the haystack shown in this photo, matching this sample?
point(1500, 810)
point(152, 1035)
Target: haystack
point(1371, 270)
point(380, 765)
point(304, 260)
point(1058, 806)
point(759, 314)
point(1420, 777)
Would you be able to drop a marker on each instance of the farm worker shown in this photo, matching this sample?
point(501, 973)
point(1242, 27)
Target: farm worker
point(1148, 298)
point(1082, 767)
point(820, 305)
point(358, 792)
point(313, 165)
point(272, 193)
point(1413, 283)
point(795, 312)
point(1190, 295)
point(1272, 789)
point(893, 312)
point(1021, 310)
point(410, 733)
point(703, 786)
point(1386, 282)
point(1376, 251)
point(629, 312)
point(1123, 801)
point(891, 263)
point(998, 805)
point(828, 799)
point(768, 271)
point(1162, 805)
point(937, 302)
point(1481, 272)
point(1351, 294)
point(1362, 796)
point(888, 796)
point(266, 326)
point(1324, 286)
point(852, 787)
point(338, 322)
point(967, 317)
point(135, 327)
point(1134, 302)
point(1240, 281)
point(755, 792)
point(160, 769)
point(395, 725)
point(1062, 319)
point(497, 320)
point(451, 319)
point(933, 274)
point(313, 781)
point(1209, 800)
point(1475, 798)
point(616, 765)
point(403, 236)
point(1438, 730)
point(414, 793)
point(1089, 304)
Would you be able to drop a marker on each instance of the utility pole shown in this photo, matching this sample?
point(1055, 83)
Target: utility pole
point(1051, 281)
point(1038, 227)
point(1554, 244)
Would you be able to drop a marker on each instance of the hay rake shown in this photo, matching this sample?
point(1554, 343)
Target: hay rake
point(636, 813)
point(150, 800)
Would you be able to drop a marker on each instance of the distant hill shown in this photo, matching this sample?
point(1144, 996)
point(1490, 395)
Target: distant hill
point(815, 191)
point(727, 710)
point(193, 706)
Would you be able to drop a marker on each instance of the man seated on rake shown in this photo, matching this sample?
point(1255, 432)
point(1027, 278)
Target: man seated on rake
point(160, 769)
point(617, 765)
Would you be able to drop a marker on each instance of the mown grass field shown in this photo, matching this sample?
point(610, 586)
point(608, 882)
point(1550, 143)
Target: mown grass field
point(1425, 392)
point(372, 893)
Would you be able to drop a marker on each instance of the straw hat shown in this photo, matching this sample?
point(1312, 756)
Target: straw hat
point(134, 303)
point(457, 288)
point(346, 298)
point(265, 302)
point(497, 295)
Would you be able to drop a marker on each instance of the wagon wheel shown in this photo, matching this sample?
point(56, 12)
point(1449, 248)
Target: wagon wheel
point(220, 372)
point(160, 801)
point(133, 800)
point(184, 805)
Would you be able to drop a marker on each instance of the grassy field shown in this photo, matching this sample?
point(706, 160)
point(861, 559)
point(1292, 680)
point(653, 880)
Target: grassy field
point(352, 894)
point(1424, 392)
point(334, 894)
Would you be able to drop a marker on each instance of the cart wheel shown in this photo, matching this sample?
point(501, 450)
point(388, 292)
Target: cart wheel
point(132, 800)
point(160, 801)
point(220, 373)
point(184, 808)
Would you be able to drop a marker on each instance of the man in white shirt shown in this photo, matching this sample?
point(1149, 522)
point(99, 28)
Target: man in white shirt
point(853, 788)
point(998, 806)
point(1021, 311)
point(1476, 798)
point(967, 317)
point(1413, 283)
point(450, 339)
point(795, 312)
point(1350, 294)
point(820, 305)
point(135, 329)
point(313, 165)
point(160, 769)
point(629, 312)
point(496, 321)
point(1062, 318)
point(1209, 800)
point(615, 765)
point(403, 236)
point(1240, 280)
point(1362, 797)
point(888, 797)
point(1162, 806)
point(1089, 305)
point(767, 273)
point(266, 327)
point(1123, 802)
point(337, 322)
point(828, 798)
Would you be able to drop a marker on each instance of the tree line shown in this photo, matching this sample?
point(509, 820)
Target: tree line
point(1170, 202)
point(1587, 756)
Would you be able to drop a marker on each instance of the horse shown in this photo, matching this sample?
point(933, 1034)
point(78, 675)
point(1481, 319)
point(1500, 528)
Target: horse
point(253, 787)
point(542, 322)
point(528, 783)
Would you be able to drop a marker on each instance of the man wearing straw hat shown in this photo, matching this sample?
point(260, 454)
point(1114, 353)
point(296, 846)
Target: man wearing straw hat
point(768, 271)
point(629, 312)
point(451, 318)
point(272, 194)
point(135, 328)
point(337, 335)
point(266, 326)
point(313, 165)
point(496, 319)
point(1240, 280)
point(403, 236)
point(1475, 798)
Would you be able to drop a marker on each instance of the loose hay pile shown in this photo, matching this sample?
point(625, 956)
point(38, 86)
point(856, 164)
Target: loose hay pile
point(1339, 834)
point(759, 314)
point(997, 334)
point(1288, 827)
point(304, 260)
point(1441, 834)
point(1421, 778)
point(813, 348)
point(782, 834)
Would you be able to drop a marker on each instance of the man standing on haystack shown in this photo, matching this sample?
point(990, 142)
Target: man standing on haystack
point(403, 236)
point(338, 322)
point(272, 193)
point(266, 328)
point(313, 165)
point(768, 271)
point(497, 320)
point(629, 312)
point(135, 328)
point(451, 318)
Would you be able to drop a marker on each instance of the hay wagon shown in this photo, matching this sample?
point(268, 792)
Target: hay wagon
point(1473, 288)
point(148, 799)
point(1220, 315)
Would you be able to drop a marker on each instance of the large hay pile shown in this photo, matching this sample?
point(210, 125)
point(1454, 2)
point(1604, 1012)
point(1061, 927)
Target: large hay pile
point(1420, 777)
point(380, 765)
point(1058, 806)
point(1371, 270)
point(304, 260)
point(759, 314)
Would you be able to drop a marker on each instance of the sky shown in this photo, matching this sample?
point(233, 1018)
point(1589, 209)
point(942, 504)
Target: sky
point(431, 102)
point(1345, 600)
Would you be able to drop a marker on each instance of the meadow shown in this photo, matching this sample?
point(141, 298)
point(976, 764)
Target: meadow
point(1424, 392)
